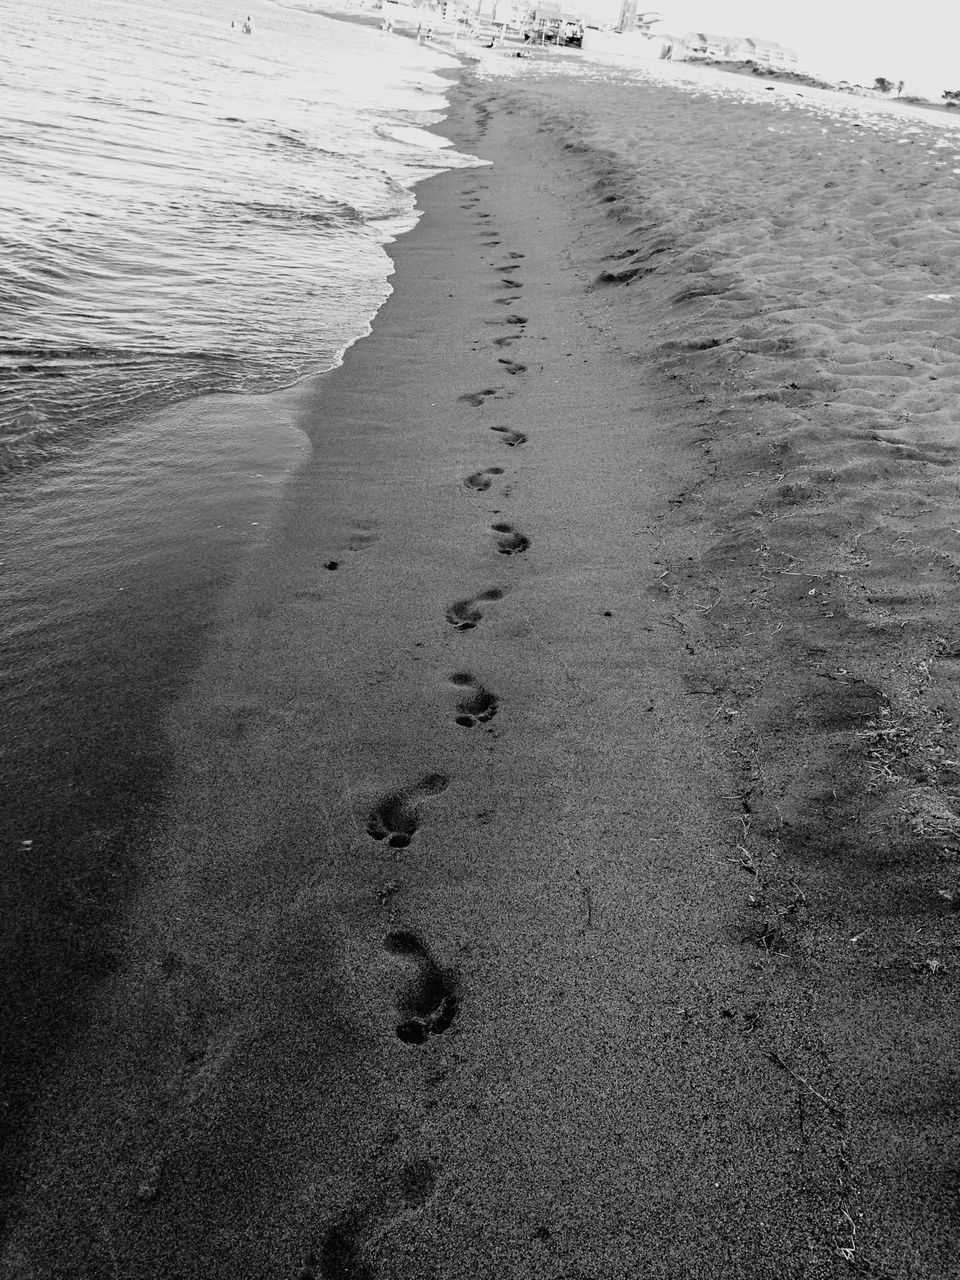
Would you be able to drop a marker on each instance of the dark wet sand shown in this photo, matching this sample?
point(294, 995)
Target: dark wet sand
point(473, 944)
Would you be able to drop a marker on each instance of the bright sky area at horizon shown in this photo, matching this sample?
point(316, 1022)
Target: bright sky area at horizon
point(839, 39)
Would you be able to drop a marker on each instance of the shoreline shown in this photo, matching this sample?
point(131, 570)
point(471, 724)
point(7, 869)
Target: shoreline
point(118, 557)
point(492, 750)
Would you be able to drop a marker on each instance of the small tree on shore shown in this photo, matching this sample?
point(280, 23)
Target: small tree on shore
point(900, 84)
point(883, 84)
point(952, 97)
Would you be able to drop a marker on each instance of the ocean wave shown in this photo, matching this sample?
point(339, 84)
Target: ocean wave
point(57, 397)
point(174, 230)
point(334, 213)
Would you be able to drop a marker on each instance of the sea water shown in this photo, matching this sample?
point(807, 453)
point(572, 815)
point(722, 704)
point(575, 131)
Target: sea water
point(188, 208)
point(193, 219)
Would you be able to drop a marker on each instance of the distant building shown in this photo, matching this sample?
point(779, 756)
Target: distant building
point(766, 53)
point(739, 49)
point(770, 54)
point(700, 44)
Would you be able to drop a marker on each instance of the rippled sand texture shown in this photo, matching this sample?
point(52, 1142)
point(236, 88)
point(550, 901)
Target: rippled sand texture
point(794, 275)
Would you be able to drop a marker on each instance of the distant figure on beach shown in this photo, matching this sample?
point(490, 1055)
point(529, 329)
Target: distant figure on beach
point(387, 23)
point(248, 26)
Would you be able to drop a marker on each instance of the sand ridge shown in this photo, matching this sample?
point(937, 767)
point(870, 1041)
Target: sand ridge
point(796, 285)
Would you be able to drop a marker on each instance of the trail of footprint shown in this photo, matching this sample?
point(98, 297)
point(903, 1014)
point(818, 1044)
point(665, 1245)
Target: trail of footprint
point(510, 437)
point(465, 614)
point(513, 366)
point(395, 817)
point(477, 705)
point(476, 398)
point(481, 480)
point(428, 1001)
point(510, 542)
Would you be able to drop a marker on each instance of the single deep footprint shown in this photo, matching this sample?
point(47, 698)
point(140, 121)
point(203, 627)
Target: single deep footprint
point(511, 284)
point(511, 319)
point(509, 541)
point(339, 1254)
point(465, 614)
point(482, 480)
point(476, 398)
point(512, 366)
point(364, 535)
point(477, 705)
point(510, 437)
point(395, 817)
point(427, 1002)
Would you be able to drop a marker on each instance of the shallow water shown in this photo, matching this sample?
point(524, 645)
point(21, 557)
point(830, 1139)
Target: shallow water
point(192, 220)
point(191, 209)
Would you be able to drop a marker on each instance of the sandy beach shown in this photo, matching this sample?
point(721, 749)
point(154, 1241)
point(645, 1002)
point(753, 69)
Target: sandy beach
point(558, 877)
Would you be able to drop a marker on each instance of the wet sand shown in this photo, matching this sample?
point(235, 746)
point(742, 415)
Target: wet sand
point(559, 870)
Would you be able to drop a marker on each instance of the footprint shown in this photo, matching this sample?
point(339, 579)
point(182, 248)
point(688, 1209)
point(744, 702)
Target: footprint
point(509, 541)
point(428, 1001)
point(511, 319)
point(513, 366)
point(465, 614)
point(478, 705)
point(481, 480)
point(511, 437)
point(339, 1255)
point(395, 818)
point(515, 255)
point(511, 284)
point(363, 536)
point(418, 1182)
point(476, 398)
point(510, 266)
point(506, 302)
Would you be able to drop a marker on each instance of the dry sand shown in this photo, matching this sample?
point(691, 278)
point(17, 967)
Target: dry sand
point(559, 874)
